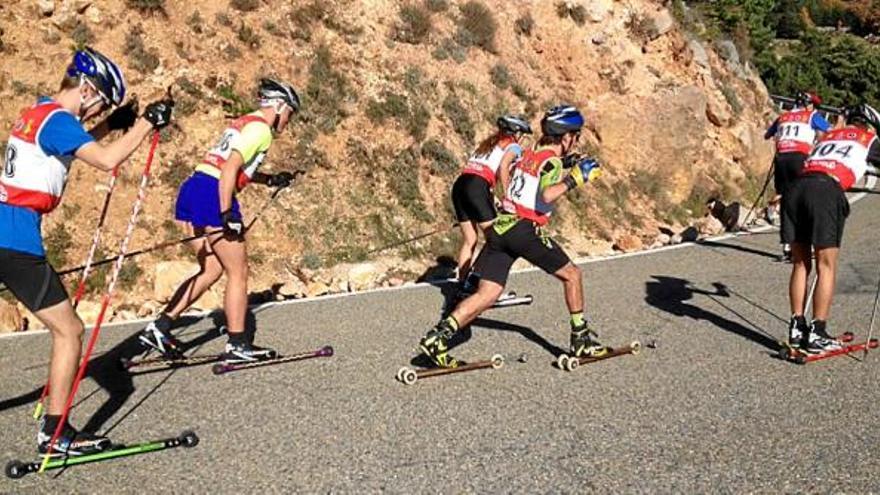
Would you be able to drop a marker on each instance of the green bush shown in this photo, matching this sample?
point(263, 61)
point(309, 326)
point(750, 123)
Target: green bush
point(404, 182)
point(476, 26)
point(148, 6)
point(129, 274)
point(81, 35)
point(58, 242)
point(577, 13)
point(223, 19)
point(414, 117)
point(304, 18)
point(524, 25)
point(248, 36)
point(460, 118)
point(234, 103)
point(414, 25)
point(143, 59)
point(437, 5)
point(441, 161)
point(450, 49)
point(196, 23)
point(500, 76)
point(245, 5)
point(326, 92)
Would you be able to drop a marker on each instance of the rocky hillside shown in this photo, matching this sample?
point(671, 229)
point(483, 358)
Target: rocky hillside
point(395, 94)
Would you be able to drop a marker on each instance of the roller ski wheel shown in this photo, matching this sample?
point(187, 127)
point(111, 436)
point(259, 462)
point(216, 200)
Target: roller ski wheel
point(572, 364)
point(188, 439)
point(16, 469)
point(635, 347)
point(408, 376)
point(497, 361)
point(561, 361)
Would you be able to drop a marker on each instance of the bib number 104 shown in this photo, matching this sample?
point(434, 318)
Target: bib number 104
point(827, 149)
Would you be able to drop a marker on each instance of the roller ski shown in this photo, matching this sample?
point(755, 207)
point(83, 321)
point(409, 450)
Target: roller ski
point(18, 469)
point(586, 349)
point(159, 362)
point(434, 346)
point(157, 336)
point(469, 286)
point(240, 359)
point(816, 345)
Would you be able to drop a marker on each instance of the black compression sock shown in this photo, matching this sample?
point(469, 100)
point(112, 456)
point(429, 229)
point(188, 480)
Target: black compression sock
point(164, 322)
point(237, 338)
point(50, 422)
point(819, 327)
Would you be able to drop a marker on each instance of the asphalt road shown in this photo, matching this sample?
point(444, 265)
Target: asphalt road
point(709, 410)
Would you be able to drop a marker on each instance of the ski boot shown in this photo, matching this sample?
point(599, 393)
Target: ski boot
point(797, 332)
point(245, 352)
point(157, 335)
point(70, 442)
point(434, 345)
point(583, 342)
point(786, 253)
point(818, 340)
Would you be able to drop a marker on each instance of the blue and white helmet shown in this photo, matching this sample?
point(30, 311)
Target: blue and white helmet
point(104, 75)
point(561, 120)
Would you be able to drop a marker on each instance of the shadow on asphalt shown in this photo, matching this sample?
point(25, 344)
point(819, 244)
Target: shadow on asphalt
point(671, 294)
point(739, 247)
point(109, 374)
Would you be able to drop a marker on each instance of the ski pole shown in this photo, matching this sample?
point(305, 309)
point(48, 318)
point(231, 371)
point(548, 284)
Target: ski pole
point(80, 289)
point(412, 239)
point(760, 196)
point(810, 294)
point(166, 244)
point(105, 302)
point(873, 314)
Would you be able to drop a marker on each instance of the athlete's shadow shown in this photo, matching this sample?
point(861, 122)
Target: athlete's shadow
point(526, 332)
point(738, 247)
point(672, 294)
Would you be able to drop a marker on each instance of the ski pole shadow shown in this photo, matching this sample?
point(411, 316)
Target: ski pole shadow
point(738, 247)
point(526, 332)
point(672, 295)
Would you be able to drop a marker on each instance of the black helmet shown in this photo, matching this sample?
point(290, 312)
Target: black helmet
point(804, 98)
point(561, 120)
point(512, 124)
point(863, 113)
point(101, 72)
point(271, 89)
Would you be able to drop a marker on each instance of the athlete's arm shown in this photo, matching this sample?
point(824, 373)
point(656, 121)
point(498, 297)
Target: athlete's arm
point(229, 178)
point(820, 125)
point(504, 168)
point(771, 131)
point(874, 153)
point(552, 188)
point(109, 156)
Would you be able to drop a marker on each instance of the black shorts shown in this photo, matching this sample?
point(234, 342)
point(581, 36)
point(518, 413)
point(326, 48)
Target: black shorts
point(522, 240)
point(472, 199)
point(814, 211)
point(31, 279)
point(786, 168)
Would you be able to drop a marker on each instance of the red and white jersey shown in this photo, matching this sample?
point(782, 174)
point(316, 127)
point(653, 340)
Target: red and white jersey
point(842, 154)
point(487, 165)
point(525, 188)
point(251, 136)
point(795, 133)
point(32, 178)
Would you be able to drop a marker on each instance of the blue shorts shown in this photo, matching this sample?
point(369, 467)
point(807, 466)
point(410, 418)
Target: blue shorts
point(198, 202)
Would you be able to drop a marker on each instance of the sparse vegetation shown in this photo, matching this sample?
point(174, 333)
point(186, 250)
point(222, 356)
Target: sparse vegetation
point(147, 6)
point(437, 5)
point(730, 95)
point(304, 18)
point(245, 5)
point(447, 49)
point(81, 35)
point(476, 26)
point(404, 182)
point(326, 92)
point(441, 161)
point(234, 103)
point(501, 77)
point(524, 25)
point(175, 172)
point(414, 24)
point(248, 36)
point(639, 27)
point(223, 19)
point(196, 23)
point(272, 28)
point(459, 118)
point(58, 242)
point(143, 59)
point(129, 274)
point(577, 13)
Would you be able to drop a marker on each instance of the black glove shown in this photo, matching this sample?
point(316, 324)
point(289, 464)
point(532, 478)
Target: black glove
point(123, 117)
point(281, 179)
point(158, 113)
point(570, 160)
point(232, 224)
